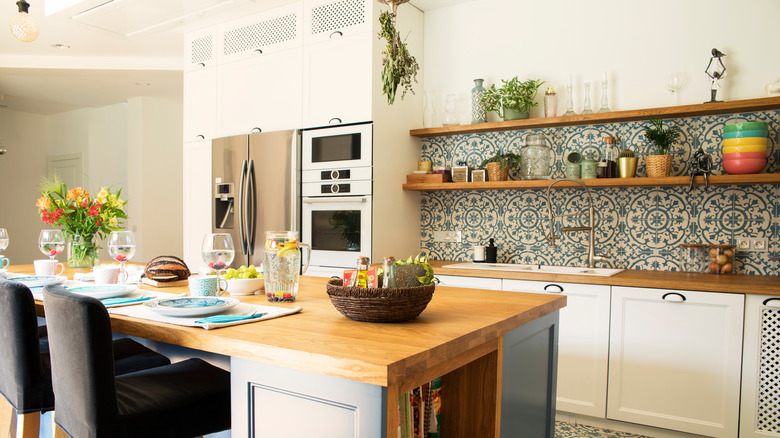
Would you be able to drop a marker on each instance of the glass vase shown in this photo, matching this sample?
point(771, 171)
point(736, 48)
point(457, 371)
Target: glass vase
point(82, 251)
point(478, 112)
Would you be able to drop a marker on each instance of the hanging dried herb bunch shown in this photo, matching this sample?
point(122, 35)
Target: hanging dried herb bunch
point(398, 66)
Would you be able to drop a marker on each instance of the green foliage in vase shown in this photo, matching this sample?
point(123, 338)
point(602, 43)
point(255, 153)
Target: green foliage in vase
point(399, 67)
point(508, 159)
point(513, 94)
point(663, 139)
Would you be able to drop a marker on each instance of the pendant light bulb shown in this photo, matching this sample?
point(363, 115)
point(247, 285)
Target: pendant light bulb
point(23, 26)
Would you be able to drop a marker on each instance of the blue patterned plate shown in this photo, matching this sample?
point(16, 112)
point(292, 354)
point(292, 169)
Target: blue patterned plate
point(191, 306)
point(105, 290)
point(32, 281)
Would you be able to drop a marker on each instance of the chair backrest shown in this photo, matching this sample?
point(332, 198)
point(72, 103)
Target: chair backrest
point(22, 378)
point(82, 360)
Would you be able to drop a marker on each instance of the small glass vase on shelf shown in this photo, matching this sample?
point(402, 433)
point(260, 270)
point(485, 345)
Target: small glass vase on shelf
point(82, 251)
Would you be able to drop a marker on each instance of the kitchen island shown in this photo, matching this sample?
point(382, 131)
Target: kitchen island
point(495, 351)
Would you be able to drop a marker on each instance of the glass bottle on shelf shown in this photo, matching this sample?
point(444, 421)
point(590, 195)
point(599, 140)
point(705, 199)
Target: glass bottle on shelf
point(586, 106)
point(360, 277)
point(604, 101)
point(450, 112)
point(550, 103)
point(609, 158)
point(570, 103)
point(429, 110)
point(388, 272)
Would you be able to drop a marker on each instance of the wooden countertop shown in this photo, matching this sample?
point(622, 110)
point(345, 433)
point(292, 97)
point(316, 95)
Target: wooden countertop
point(735, 283)
point(458, 326)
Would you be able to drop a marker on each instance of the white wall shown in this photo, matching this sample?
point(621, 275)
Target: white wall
point(638, 44)
point(25, 137)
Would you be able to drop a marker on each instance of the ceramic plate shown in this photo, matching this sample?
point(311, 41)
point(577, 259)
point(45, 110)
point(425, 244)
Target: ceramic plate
point(2, 272)
point(40, 280)
point(104, 290)
point(191, 306)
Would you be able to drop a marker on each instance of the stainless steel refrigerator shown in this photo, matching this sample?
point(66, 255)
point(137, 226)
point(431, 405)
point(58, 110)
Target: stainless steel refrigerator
point(256, 189)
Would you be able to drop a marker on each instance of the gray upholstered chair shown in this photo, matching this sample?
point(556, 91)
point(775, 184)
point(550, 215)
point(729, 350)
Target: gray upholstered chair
point(25, 373)
point(185, 399)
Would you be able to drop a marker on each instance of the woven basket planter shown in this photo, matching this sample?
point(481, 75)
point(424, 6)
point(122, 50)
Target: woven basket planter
point(379, 304)
point(495, 173)
point(658, 166)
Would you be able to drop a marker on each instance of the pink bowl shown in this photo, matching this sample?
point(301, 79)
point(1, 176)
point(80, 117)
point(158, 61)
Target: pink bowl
point(742, 155)
point(744, 165)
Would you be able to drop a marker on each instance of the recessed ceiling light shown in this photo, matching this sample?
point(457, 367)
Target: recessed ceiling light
point(60, 46)
point(143, 84)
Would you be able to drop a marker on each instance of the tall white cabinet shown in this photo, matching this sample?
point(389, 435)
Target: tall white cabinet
point(760, 411)
point(675, 358)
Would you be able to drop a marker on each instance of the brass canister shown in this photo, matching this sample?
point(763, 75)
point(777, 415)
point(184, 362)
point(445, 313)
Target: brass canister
point(627, 167)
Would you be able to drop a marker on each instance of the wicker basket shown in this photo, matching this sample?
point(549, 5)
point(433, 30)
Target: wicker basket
point(379, 305)
point(496, 173)
point(658, 166)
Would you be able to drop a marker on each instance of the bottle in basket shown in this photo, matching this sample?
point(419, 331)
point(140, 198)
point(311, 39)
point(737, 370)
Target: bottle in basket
point(360, 277)
point(388, 272)
point(282, 264)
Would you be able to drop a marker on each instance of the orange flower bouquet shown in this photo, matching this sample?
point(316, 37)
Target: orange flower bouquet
point(83, 218)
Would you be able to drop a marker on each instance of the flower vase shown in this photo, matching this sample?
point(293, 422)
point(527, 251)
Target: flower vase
point(82, 251)
point(478, 111)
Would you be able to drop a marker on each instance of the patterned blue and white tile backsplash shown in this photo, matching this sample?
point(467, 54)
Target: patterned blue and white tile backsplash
point(638, 227)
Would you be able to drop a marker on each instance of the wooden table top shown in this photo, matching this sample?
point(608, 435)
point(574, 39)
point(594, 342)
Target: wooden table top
point(459, 325)
point(734, 283)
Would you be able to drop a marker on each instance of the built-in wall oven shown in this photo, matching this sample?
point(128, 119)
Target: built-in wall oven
point(337, 194)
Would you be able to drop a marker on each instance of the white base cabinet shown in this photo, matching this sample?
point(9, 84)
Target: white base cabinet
point(760, 411)
point(674, 359)
point(470, 282)
point(583, 343)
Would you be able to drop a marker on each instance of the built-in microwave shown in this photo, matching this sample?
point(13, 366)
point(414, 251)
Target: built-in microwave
point(338, 147)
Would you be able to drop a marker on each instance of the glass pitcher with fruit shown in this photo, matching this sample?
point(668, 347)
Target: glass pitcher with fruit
point(282, 264)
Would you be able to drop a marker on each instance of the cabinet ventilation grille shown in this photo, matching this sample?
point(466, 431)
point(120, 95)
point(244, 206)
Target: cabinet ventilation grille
point(337, 15)
point(202, 49)
point(769, 372)
point(265, 33)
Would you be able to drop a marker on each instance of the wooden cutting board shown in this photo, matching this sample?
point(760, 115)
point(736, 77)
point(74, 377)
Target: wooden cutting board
point(156, 283)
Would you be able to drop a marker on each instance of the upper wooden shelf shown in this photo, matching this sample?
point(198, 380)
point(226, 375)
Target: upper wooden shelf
point(758, 178)
point(704, 109)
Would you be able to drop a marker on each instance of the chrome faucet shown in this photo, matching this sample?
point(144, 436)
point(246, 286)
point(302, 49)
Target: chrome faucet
point(551, 237)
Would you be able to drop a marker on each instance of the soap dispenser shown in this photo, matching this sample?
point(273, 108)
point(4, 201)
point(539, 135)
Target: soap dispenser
point(490, 252)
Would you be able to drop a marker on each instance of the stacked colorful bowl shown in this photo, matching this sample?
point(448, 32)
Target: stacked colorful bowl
point(744, 147)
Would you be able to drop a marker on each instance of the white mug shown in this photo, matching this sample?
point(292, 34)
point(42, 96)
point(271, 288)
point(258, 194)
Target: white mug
point(106, 274)
point(479, 254)
point(48, 267)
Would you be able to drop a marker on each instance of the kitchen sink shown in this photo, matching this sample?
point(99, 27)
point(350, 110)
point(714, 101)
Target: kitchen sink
point(512, 267)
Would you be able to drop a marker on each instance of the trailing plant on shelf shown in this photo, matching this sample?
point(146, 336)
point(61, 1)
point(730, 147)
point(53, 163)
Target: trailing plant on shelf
point(514, 99)
point(399, 67)
point(499, 164)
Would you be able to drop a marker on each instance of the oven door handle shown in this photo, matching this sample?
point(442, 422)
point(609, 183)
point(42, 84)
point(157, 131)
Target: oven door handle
point(333, 199)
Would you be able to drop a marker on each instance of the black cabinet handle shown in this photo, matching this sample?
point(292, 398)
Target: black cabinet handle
point(257, 52)
point(255, 129)
point(560, 288)
point(769, 300)
point(336, 119)
point(336, 33)
point(674, 297)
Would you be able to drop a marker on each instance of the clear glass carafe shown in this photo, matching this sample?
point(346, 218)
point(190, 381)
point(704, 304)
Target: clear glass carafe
point(536, 157)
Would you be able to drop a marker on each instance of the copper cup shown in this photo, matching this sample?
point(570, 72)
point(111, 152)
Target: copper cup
point(627, 167)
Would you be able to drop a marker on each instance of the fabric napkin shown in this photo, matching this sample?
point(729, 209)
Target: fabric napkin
point(108, 302)
point(228, 318)
point(243, 310)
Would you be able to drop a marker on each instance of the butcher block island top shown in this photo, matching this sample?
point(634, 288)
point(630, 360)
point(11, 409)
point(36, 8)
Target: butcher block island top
point(458, 326)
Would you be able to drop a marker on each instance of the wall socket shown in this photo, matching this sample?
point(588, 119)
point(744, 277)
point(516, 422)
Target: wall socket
point(446, 236)
point(752, 244)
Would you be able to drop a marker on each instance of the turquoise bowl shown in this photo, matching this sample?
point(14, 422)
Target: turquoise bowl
point(746, 126)
point(744, 134)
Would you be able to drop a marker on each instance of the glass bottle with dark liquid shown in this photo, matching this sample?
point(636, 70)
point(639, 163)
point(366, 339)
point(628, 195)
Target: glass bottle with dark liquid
point(607, 167)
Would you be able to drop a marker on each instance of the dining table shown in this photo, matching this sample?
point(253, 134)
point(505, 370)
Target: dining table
point(495, 352)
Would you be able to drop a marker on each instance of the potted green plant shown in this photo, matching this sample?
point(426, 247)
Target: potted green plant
point(514, 99)
point(499, 164)
point(660, 165)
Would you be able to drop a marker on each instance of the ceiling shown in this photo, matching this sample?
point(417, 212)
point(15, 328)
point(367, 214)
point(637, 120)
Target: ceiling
point(116, 49)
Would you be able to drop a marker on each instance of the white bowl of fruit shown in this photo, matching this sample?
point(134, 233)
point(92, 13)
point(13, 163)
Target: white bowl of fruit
point(244, 280)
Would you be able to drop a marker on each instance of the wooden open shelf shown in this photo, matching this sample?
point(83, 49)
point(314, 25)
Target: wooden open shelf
point(759, 178)
point(704, 109)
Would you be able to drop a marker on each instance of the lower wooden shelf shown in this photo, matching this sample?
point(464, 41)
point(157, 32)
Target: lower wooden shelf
point(759, 178)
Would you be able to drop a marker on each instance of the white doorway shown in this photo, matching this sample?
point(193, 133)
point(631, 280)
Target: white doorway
point(68, 167)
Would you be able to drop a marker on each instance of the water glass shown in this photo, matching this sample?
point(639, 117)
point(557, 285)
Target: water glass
point(51, 242)
point(3, 239)
point(121, 247)
point(282, 265)
point(218, 251)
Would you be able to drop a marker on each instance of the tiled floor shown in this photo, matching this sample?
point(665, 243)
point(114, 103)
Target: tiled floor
point(568, 430)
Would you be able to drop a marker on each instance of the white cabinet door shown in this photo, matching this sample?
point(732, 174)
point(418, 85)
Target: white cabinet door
point(262, 92)
point(674, 359)
point(268, 32)
point(324, 19)
point(470, 282)
point(337, 81)
point(200, 104)
point(196, 199)
point(200, 49)
point(760, 415)
point(583, 343)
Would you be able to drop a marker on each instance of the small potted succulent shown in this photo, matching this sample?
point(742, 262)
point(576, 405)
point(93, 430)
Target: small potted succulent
point(660, 165)
point(514, 99)
point(499, 164)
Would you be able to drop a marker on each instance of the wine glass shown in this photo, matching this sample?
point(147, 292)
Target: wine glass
point(3, 239)
point(218, 251)
point(675, 81)
point(121, 247)
point(51, 242)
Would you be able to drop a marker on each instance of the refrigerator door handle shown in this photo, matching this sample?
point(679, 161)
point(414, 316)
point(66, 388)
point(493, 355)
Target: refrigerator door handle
point(242, 208)
point(252, 208)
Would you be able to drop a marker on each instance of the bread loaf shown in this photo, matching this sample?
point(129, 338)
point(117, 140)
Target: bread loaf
point(166, 268)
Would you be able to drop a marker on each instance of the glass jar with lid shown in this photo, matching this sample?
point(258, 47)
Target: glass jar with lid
point(694, 257)
point(536, 157)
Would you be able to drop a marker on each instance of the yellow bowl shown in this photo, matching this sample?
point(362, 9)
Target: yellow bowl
point(744, 148)
point(745, 141)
